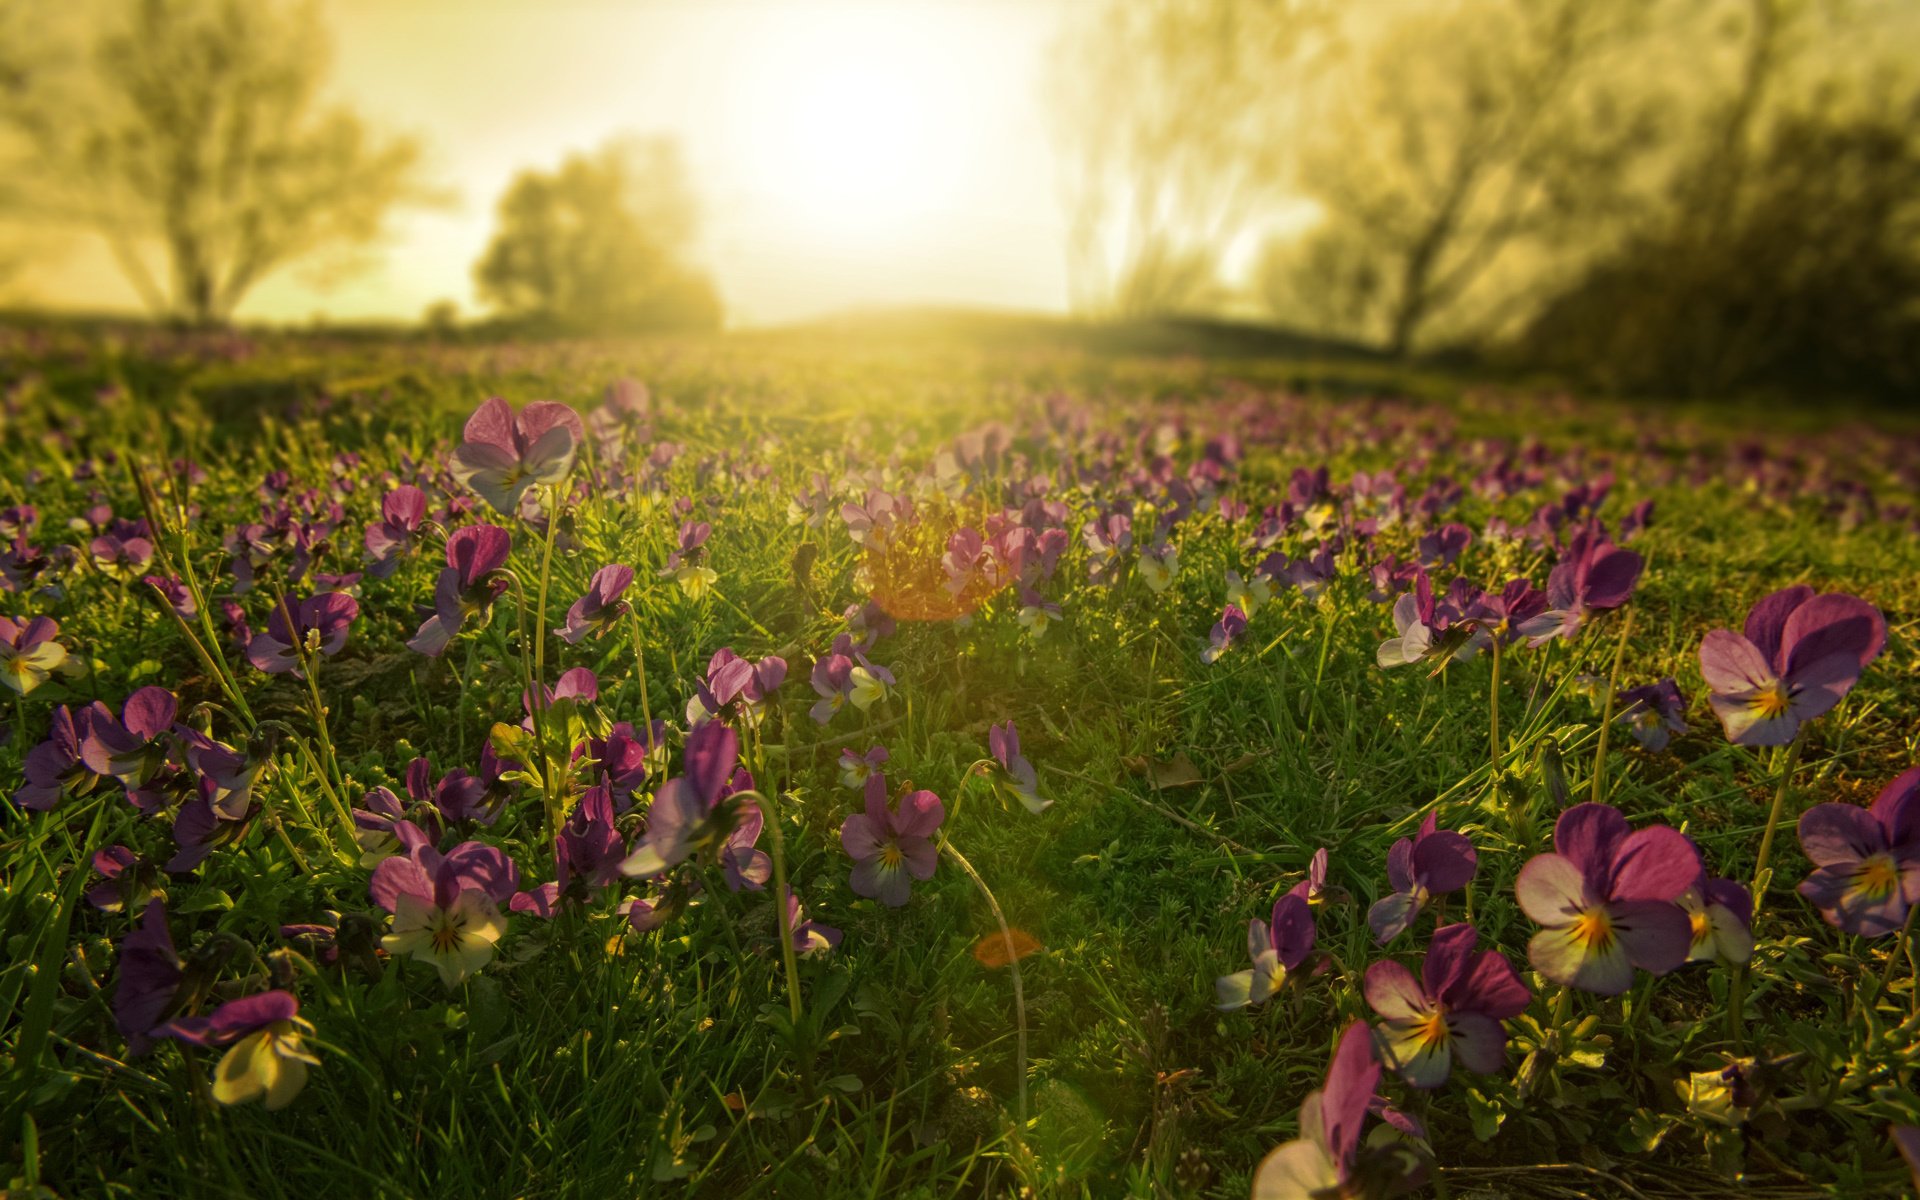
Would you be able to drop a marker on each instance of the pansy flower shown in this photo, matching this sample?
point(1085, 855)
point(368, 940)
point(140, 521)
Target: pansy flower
point(1036, 612)
point(690, 815)
point(1654, 713)
point(133, 747)
point(1329, 1159)
point(735, 687)
point(265, 1059)
point(502, 454)
point(855, 767)
point(1004, 741)
point(125, 881)
point(316, 625)
point(28, 654)
point(402, 512)
point(1605, 900)
point(586, 856)
point(891, 846)
point(601, 606)
point(1431, 863)
point(57, 768)
point(150, 974)
point(445, 907)
point(1225, 632)
point(1866, 860)
point(687, 565)
point(1452, 1012)
point(467, 587)
point(1593, 576)
point(1249, 595)
point(1798, 655)
point(809, 935)
point(1720, 913)
point(1277, 948)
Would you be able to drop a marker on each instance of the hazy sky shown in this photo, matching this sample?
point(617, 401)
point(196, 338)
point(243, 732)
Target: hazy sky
point(847, 153)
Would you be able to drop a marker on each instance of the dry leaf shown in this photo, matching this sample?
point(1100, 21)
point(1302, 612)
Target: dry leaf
point(994, 952)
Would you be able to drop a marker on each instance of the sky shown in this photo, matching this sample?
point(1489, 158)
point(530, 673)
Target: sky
point(847, 153)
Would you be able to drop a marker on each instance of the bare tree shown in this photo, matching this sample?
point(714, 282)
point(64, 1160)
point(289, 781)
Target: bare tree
point(1171, 121)
point(192, 131)
point(1466, 134)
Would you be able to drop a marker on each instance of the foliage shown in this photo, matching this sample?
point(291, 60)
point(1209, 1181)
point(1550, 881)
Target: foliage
point(197, 130)
point(646, 1031)
point(600, 244)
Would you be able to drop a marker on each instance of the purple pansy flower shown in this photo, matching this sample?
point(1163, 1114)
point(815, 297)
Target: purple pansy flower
point(1654, 713)
point(1277, 949)
point(1231, 625)
point(596, 611)
point(264, 1058)
point(890, 847)
point(1453, 1011)
point(586, 856)
point(402, 512)
point(1022, 779)
point(319, 625)
point(1431, 863)
point(1800, 653)
point(150, 974)
point(855, 767)
point(1593, 575)
point(468, 585)
point(1866, 860)
point(1327, 1159)
point(689, 815)
point(28, 654)
point(445, 907)
point(1605, 898)
point(809, 936)
point(57, 768)
point(502, 454)
point(1720, 913)
point(134, 747)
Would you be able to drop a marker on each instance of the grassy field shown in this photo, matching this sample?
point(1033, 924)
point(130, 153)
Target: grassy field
point(581, 1055)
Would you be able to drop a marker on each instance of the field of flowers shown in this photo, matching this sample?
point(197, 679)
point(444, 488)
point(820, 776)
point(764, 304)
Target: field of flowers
point(760, 770)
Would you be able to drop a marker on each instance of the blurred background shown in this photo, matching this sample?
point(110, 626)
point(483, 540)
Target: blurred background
point(1669, 197)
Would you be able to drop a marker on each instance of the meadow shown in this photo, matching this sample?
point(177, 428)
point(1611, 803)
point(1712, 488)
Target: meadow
point(1192, 777)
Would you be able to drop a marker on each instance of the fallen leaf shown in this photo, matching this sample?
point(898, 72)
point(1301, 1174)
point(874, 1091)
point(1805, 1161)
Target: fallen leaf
point(994, 952)
point(1177, 771)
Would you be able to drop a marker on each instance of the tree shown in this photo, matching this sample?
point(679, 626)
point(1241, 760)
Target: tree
point(600, 244)
point(194, 129)
point(1171, 118)
point(1466, 136)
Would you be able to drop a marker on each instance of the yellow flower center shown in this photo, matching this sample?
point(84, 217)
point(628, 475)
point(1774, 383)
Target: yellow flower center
point(890, 856)
point(1593, 929)
point(1702, 927)
point(1772, 702)
point(1876, 877)
point(1432, 1029)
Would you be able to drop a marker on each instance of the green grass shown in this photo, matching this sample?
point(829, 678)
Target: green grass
point(585, 1062)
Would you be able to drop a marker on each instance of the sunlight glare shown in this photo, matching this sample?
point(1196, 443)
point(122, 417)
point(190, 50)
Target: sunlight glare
point(855, 120)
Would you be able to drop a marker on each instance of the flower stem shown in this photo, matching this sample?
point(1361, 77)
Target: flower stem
point(1899, 950)
point(1761, 877)
point(1493, 707)
point(1606, 711)
point(640, 660)
point(1013, 965)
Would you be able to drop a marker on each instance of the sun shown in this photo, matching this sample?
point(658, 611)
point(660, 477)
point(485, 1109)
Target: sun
point(855, 121)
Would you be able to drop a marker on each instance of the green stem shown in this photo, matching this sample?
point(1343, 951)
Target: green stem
point(1493, 706)
point(1013, 965)
point(1761, 877)
point(640, 660)
point(1606, 712)
point(1737, 1006)
point(1899, 950)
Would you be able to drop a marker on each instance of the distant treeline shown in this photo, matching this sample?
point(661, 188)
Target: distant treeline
point(1656, 196)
